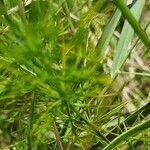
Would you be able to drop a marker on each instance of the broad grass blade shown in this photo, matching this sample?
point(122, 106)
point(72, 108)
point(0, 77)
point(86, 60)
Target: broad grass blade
point(107, 33)
point(122, 49)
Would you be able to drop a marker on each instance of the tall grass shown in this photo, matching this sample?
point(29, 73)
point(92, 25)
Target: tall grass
point(56, 91)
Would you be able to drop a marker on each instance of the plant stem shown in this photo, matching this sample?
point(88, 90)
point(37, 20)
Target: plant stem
point(133, 22)
point(29, 143)
point(57, 135)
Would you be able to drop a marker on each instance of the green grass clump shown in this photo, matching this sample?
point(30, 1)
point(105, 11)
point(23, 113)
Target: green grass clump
point(56, 91)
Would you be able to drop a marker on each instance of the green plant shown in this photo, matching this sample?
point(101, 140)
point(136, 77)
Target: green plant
point(54, 91)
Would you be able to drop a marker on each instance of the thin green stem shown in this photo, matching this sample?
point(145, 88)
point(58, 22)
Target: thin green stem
point(133, 22)
point(29, 140)
point(136, 73)
point(93, 127)
point(57, 135)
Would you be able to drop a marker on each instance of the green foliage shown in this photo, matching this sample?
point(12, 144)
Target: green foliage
point(54, 90)
point(125, 39)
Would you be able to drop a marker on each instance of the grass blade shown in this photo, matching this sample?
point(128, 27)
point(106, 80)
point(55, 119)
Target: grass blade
point(108, 32)
point(129, 133)
point(130, 120)
point(125, 39)
point(136, 73)
point(133, 22)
